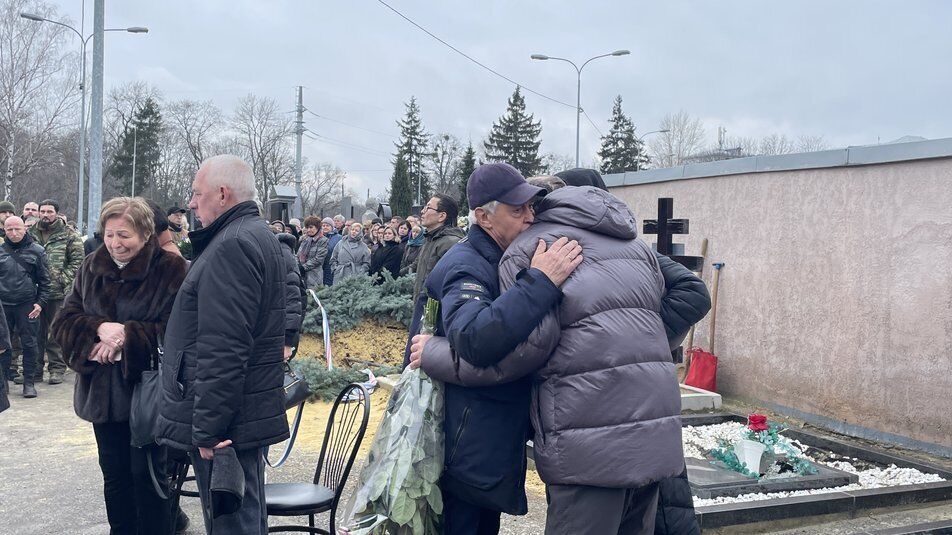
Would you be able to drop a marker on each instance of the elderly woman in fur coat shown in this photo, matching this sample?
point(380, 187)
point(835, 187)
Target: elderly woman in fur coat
point(109, 327)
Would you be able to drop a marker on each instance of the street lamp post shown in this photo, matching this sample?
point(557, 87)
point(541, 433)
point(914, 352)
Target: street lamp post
point(135, 143)
point(82, 99)
point(646, 134)
point(578, 93)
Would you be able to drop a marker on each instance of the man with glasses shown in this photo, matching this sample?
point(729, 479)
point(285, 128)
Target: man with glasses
point(438, 217)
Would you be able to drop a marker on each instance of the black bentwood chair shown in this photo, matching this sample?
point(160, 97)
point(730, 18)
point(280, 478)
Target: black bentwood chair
point(345, 430)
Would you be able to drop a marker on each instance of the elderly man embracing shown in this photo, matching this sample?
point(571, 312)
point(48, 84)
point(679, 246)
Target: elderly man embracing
point(605, 401)
point(486, 427)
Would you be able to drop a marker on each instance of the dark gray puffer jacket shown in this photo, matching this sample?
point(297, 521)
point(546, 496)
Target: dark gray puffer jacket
point(605, 403)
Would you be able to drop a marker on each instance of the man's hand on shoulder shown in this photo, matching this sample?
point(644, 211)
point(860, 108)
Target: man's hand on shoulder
point(559, 261)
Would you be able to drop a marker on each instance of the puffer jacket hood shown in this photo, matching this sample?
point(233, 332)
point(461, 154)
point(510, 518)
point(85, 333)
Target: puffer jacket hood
point(606, 342)
point(589, 208)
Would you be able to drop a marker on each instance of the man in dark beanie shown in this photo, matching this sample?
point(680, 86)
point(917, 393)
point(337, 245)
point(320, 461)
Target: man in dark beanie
point(487, 427)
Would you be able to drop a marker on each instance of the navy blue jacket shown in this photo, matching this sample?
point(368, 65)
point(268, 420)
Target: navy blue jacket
point(486, 428)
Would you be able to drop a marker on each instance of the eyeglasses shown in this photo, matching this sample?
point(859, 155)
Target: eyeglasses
point(425, 208)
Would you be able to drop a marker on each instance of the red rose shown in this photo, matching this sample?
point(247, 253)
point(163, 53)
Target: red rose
point(757, 422)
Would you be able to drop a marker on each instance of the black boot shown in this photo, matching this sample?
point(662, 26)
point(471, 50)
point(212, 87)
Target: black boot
point(29, 391)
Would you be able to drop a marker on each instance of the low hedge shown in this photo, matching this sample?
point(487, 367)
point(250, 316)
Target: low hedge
point(356, 298)
point(326, 384)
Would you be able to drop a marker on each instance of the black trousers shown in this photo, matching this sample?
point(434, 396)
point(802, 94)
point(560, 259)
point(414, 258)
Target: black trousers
point(463, 518)
point(583, 510)
point(19, 324)
point(132, 505)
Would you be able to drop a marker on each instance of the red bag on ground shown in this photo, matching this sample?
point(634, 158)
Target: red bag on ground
point(703, 371)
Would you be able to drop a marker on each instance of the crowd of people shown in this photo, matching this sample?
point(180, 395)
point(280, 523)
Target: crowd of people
point(334, 248)
point(555, 322)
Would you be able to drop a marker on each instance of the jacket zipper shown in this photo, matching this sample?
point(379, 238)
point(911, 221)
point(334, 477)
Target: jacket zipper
point(459, 435)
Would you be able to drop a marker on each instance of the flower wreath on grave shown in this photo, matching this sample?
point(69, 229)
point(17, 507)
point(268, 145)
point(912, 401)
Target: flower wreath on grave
point(765, 442)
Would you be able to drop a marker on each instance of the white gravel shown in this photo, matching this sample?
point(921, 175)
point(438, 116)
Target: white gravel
point(700, 439)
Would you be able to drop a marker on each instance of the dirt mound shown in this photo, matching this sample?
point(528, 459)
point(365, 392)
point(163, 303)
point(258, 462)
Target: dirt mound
point(368, 342)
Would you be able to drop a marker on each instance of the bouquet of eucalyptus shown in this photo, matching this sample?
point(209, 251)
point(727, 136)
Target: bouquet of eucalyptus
point(397, 492)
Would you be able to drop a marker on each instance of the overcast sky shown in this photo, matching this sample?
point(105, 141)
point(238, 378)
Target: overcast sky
point(852, 71)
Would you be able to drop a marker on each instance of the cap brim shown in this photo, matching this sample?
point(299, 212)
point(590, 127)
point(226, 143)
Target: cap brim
point(521, 194)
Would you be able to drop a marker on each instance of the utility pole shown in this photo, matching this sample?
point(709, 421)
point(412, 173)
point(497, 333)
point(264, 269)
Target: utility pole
point(299, 130)
point(95, 130)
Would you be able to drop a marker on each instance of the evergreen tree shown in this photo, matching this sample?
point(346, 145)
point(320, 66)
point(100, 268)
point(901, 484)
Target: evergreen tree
point(621, 149)
point(515, 138)
point(401, 196)
point(412, 149)
point(466, 168)
point(139, 142)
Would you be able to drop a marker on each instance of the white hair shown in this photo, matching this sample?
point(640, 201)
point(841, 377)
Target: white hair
point(489, 207)
point(230, 171)
point(339, 217)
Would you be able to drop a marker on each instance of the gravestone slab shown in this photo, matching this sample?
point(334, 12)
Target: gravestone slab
point(713, 480)
point(697, 399)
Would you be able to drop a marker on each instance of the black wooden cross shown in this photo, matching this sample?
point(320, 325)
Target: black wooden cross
point(666, 227)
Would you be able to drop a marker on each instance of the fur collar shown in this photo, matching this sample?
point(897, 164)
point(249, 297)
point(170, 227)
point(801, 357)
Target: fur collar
point(137, 269)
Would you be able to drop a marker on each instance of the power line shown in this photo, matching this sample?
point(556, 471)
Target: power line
point(585, 113)
point(345, 144)
point(470, 58)
point(391, 136)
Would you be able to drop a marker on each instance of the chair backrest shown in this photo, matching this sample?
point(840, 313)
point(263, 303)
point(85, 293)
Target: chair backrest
point(345, 431)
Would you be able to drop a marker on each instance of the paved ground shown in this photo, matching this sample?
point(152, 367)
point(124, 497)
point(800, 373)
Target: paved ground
point(50, 481)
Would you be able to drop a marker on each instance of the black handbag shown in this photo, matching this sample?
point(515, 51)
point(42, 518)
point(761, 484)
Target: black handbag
point(296, 390)
point(146, 397)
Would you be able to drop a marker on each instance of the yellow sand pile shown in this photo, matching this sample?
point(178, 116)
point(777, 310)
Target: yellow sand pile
point(368, 341)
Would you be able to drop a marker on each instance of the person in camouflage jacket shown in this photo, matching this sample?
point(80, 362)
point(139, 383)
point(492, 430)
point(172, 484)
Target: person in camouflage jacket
point(64, 255)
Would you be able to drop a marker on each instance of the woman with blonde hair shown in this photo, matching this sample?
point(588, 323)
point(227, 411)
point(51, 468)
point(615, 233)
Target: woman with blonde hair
point(110, 328)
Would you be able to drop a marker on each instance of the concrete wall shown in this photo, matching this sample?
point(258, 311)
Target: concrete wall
point(835, 304)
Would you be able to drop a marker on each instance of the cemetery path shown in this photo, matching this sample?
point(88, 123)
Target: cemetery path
point(50, 480)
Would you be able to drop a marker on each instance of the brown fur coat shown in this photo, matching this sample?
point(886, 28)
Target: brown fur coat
point(140, 296)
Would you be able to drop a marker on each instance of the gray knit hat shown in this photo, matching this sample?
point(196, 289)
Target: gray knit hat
point(7, 206)
point(328, 221)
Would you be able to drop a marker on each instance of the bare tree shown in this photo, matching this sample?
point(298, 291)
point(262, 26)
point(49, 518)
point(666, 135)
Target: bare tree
point(811, 144)
point(37, 87)
point(263, 135)
point(445, 154)
point(321, 189)
point(172, 181)
point(195, 124)
point(684, 137)
point(554, 163)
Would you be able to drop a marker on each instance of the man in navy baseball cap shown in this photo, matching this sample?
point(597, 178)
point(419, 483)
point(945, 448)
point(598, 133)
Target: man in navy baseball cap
point(484, 467)
point(500, 201)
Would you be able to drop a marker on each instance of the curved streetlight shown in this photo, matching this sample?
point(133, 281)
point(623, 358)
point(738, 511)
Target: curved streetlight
point(82, 98)
point(646, 134)
point(578, 93)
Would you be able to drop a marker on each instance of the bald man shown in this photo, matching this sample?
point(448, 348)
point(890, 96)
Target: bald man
point(24, 291)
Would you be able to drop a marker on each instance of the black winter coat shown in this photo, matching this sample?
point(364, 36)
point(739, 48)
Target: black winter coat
point(486, 428)
point(26, 281)
point(222, 374)
point(387, 257)
point(294, 289)
point(686, 300)
point(139, 296)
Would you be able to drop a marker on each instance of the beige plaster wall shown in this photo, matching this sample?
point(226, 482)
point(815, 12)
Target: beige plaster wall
point(836, 297)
